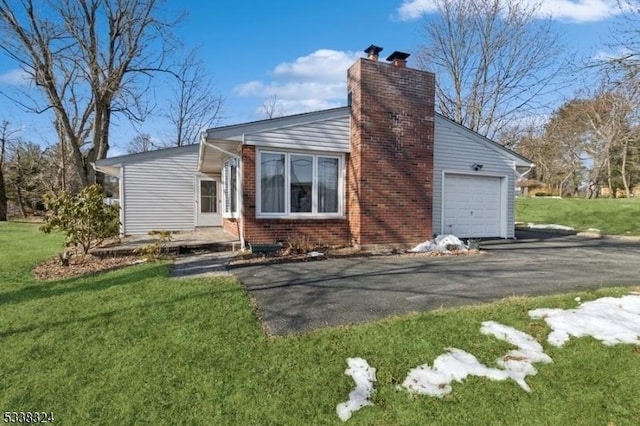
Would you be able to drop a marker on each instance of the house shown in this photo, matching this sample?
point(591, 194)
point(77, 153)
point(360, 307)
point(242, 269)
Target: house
point(386, 169)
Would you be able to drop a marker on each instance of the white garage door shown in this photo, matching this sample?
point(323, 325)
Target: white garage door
point(472, 206)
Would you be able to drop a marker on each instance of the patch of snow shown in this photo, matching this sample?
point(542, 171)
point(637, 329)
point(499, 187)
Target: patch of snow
point(608, 319)
point(531, 225)
point(364, 376)
point(440, 244)
point(315, 254)
point(518, 363)
point(454, 365)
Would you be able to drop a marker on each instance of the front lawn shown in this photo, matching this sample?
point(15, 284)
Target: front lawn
point(611, 216)
point(133, 346)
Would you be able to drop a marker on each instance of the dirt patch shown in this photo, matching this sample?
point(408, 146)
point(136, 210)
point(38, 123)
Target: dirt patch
point(51, 269)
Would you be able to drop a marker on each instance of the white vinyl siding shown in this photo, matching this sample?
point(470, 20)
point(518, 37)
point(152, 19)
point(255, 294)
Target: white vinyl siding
point(159, 191)
point(456, 151)
point(331, 135)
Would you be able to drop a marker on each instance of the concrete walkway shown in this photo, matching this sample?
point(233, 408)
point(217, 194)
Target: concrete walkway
point(202, 265)
point(212, 239)
point(294, 297)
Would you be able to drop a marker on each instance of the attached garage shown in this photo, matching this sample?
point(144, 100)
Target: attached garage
point(473, 206)
point(473, 183)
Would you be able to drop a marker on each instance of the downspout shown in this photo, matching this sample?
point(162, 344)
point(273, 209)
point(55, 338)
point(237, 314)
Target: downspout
point(520, 176)
point(121, 193)
point(240, 197)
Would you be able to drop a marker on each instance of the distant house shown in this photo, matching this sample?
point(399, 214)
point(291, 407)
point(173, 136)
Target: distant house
point(386, 169)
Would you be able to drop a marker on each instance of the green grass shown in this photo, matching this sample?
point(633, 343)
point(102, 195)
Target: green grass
point(610, 216)
point(135, 347)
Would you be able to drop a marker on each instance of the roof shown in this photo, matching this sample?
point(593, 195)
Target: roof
point(112, 165)
point(523, 161)
point(236, 131)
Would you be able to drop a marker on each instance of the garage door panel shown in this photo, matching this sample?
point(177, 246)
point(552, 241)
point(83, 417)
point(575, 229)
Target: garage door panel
point(472, 205)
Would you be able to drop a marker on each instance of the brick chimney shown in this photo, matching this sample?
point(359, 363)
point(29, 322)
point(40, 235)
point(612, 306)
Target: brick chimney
point(391, 157)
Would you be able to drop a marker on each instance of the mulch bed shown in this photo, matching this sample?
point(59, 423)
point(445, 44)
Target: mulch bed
point(52, 269)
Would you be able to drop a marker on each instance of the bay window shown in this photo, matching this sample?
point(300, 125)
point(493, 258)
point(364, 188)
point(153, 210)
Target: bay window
point(299, 185)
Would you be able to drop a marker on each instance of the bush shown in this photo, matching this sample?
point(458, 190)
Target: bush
point(152, 252)
point(85, 219)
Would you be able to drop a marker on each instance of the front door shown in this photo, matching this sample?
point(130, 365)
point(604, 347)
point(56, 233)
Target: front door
point(207, 203)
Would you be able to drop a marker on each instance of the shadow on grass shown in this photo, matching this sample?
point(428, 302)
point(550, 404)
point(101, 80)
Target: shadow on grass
point(121, 277)
point(103, 315)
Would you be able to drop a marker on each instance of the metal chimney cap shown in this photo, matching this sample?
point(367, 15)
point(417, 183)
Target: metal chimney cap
point(373, 50)
point(398, 56)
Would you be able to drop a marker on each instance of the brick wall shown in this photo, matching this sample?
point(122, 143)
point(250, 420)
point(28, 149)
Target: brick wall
point(390, 169)
point(320, 232)
point(232, 226)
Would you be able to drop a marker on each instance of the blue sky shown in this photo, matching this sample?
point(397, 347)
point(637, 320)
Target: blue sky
point(299, 51)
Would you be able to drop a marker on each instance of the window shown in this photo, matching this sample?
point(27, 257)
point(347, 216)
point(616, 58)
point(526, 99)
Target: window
point(208, 196)
point(230, 184)
point(296, 184)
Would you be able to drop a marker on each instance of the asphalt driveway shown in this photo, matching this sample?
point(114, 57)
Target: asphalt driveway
point(294, 297)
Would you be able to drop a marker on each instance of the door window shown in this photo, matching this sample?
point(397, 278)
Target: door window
point(208, 196)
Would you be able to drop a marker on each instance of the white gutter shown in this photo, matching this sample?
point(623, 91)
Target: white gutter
point(522, 175)
point(230, 154)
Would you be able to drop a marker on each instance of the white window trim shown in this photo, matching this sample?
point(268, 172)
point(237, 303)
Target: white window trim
point(225, 214)
point(287, 214)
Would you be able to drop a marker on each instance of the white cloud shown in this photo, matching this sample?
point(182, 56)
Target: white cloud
point(578, 11)
point(309, 83)
point(414, 9)
point(15, 77)
point(323, 64)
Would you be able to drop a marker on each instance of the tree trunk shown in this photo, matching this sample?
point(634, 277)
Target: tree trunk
point(23, 210)
point(3, 198)
point(623, 169)
point(100, 145)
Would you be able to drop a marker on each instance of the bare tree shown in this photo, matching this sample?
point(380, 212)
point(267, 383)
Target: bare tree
point(25, 175)
point(6, 135)
point(57, 171)
point(495, 59)
point(272, 108)
point(193, 106)
point(142, 142)
point(625, 41)
point(598, 130)
point(89, 59)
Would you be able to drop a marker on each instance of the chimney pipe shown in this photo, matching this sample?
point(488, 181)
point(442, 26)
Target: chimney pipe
point(398, 59)
point(372, 52)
